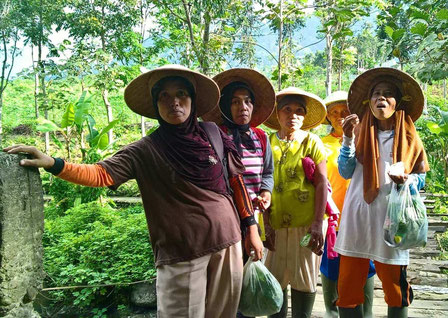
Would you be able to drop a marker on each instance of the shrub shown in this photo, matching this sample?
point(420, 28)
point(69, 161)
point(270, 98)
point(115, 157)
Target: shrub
point(93, 244)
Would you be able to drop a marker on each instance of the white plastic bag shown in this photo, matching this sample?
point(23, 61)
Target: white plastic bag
point(261, 294)
point(406, 224)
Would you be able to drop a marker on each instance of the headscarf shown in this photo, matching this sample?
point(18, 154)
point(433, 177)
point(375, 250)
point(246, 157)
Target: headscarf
point(239, 132)
point(407, 147)
point(188, 148)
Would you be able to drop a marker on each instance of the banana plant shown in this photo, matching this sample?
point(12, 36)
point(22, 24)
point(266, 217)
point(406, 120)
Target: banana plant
point(74, 124)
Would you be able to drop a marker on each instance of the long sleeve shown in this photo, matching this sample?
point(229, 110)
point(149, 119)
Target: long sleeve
point(417, 181)
point(347, 159)
point(267, 181)
point(91, 175)
point(242, 200)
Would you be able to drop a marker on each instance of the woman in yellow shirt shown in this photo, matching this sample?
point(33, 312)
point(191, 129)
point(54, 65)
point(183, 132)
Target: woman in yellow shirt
point(298, 206)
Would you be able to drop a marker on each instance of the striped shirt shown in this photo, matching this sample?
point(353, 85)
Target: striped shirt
point(254, 163)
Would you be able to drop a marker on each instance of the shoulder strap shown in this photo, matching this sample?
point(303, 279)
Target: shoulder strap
point(262, 137)
point(214, 136)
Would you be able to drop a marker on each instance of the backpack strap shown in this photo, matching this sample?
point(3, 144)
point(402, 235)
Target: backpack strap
point(214, 136)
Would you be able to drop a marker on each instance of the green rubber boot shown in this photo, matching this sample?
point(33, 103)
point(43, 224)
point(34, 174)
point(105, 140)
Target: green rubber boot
point(330, 291)
point(282, 313)
point(368, 297)
point(397, 312)
point(302, 303)
point(351, 312)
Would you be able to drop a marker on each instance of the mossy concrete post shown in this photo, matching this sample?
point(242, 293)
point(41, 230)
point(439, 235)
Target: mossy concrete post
point(21, 229)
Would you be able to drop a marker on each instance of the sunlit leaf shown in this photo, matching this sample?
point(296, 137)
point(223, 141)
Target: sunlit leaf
point(419, 28)
point(45, 125)
point(389, 31)
point(442, 14)
point(69, 116)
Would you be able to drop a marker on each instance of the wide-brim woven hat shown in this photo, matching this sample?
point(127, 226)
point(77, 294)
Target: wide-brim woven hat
point(412, 100)
point(138, 97)
point(261, 87)
point(333, 99)
point(315, 109)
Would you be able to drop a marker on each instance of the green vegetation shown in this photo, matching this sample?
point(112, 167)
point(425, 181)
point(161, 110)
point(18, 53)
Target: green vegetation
point(70, 101)
point(93, 244)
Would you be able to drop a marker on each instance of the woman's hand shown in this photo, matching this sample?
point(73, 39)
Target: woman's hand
point(253, 242)
point(40, 160)
point(264, 200)
point(317, 238)
point(350, 122)
point(400, 179)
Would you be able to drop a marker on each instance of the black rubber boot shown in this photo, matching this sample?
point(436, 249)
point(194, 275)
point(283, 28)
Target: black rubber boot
point(351, 312)
point(368, 297)
point(397, 312)
point(302, 303)
point(282, 313)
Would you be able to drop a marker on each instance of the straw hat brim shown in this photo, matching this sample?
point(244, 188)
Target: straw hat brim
point(413, 100)
point(261, 87)
point(336, 97)
point(315, 109)
point(137, 94)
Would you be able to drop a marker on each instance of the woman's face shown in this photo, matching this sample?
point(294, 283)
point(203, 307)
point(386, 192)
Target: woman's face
point(336, 115)
point(174, 102)
point(291, 116)
point(383, 100)
point(241, 107)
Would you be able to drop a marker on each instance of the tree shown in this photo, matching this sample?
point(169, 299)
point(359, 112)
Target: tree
point(337, 17)
point(9, 35)
point(285, 17)
point(198, 33)
point(107, 24)
point(39, 18)
point(343, 57)
point(369, 50)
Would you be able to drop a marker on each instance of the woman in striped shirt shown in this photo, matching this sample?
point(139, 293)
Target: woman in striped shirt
point(247, 100)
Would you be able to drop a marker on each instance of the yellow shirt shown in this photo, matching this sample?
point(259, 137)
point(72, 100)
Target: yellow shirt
point(293, 195)
point(339, 185)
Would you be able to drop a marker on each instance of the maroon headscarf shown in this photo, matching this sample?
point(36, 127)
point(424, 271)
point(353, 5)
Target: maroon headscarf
point(189, 152)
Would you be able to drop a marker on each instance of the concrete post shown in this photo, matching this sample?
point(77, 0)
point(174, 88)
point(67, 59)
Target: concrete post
point(21, 229)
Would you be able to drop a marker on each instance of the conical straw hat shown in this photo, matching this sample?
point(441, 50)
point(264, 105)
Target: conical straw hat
point(334, 98)
point(315, 109)
point(137, 94)
point(412, 100)
point(260, 86)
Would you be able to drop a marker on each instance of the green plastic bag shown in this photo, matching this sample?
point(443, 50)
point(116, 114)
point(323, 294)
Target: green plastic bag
point(406, 224)
point(261, 294)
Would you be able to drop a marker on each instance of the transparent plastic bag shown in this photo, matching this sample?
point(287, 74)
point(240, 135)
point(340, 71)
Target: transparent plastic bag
point(261, 294)
point(406, 224)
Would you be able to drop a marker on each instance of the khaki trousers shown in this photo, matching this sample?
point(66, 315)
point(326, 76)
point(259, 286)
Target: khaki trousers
point(209, 286)
point(293, 264)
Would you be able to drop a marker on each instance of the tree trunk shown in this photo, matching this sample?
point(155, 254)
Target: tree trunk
point(340, 78)
point(280, 34)
point(191, 34)
point(205, 40)
point(36, 84)
point(329, 43)
point(142, 125)
point(1, 120)
point(110, 118)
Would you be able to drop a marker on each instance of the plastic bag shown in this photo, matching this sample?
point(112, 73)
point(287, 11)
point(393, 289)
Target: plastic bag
point(406, 224)
point(261, 294)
